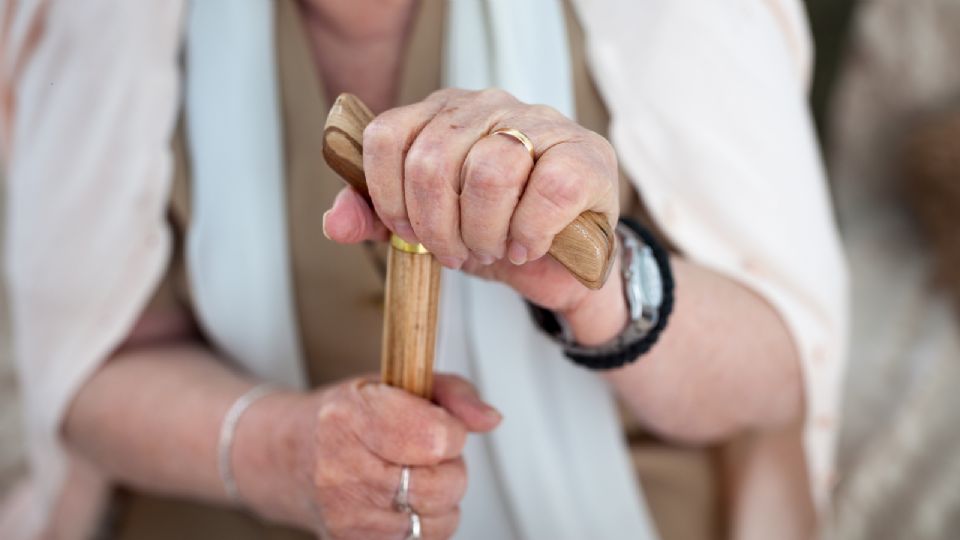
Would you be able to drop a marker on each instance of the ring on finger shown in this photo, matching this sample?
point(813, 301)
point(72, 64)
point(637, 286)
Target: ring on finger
point(415, 532)
point(401, 501)
point(519, 136)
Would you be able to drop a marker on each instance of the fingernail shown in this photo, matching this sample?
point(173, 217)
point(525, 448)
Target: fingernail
point(517, 253)
point(485, 408)
point(403, 228)
point(493, 414)
point(325, 216)
point(453, 263)
point(485, 259)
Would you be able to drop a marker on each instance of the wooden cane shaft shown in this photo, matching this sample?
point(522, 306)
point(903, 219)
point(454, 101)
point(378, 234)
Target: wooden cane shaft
point(410, 321)
point(585, 247)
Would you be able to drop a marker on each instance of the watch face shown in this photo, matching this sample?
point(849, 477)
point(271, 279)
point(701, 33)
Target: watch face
point(650, 283)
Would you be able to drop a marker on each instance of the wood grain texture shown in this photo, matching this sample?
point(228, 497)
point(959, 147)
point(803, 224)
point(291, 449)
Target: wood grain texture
point(413, 279)
point(410, 321)
point(343, 140)
point(585, 247)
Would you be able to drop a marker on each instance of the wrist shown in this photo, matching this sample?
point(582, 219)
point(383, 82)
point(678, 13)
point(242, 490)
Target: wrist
point(267, 455)
point(624, 319)
point(602, 314)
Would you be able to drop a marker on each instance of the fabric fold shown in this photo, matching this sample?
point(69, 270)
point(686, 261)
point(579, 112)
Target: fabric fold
point(83, 139)
point(237, 250)
point(736, 180)
point(560, 454)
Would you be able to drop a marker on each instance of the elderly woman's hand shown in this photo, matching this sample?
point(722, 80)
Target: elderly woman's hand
point(345, 454)
point(477, 201)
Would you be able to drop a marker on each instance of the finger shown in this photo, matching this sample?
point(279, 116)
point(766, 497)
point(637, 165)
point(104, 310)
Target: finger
point(349, 524)
point(351, 220)
point(494, 173)
point(386, 141)
point(460, 398)
point(342, 521)
point(432, 171)
point(404, 429)
point(567, 180)
point(439, 527)
point(438, 490)
point(433, 491)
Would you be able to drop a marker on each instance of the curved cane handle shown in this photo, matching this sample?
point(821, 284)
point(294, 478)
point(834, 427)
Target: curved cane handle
point(585, 247)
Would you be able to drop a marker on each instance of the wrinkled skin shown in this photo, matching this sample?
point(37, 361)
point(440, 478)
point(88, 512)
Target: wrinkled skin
point(478, 201)
point(363, 431)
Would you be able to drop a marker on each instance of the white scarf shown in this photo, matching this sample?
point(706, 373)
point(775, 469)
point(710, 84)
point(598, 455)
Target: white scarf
point(563, 467)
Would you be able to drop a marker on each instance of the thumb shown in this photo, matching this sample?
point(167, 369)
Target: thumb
point(350, 220)
point(460, 399)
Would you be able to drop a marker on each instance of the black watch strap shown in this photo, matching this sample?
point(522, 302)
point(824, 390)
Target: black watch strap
point(629, 351)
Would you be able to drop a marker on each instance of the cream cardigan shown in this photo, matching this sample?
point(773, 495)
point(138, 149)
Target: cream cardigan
point(709, 115)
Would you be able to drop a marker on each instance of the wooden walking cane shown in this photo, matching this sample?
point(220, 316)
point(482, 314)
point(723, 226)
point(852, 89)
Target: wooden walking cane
point(585, 247)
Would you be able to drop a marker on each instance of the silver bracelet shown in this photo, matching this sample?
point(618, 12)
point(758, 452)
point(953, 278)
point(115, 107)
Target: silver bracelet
point(227, 430)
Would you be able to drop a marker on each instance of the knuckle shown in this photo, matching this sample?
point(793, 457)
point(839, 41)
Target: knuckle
point(455, 441)
point(607, 152)
point(495, 95)
point(488, 181)
point(546, 111)
point(424, 165)
point(444, 94)
point(439, 439)
point(379, 144)
point(557, 186)
point(412, 436)
point(379, 136)
point(334, 412)
point(435, 443)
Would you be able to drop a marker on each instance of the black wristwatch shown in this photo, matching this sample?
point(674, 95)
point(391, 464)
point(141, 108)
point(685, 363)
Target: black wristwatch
point(648, 291)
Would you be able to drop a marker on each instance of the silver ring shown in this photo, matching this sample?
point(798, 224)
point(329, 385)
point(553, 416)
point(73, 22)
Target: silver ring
point(401, 501)
point(414, 526)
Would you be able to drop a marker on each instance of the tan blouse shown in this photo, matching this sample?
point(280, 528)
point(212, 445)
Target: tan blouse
point(339, 289)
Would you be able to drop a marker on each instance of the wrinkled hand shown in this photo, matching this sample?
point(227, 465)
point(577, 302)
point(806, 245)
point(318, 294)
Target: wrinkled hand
point(363, 432)
point(478, 201)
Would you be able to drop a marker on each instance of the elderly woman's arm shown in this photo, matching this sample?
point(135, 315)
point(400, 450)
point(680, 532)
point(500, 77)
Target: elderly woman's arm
point(725, 362)
point(327, 460)
point(150, 416)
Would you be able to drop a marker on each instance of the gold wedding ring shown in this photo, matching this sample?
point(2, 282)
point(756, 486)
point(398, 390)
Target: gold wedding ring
point(520, 136)
point(403, 245)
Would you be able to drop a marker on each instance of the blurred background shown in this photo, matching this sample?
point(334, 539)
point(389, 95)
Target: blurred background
point(887, 103)
point(11, 452)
